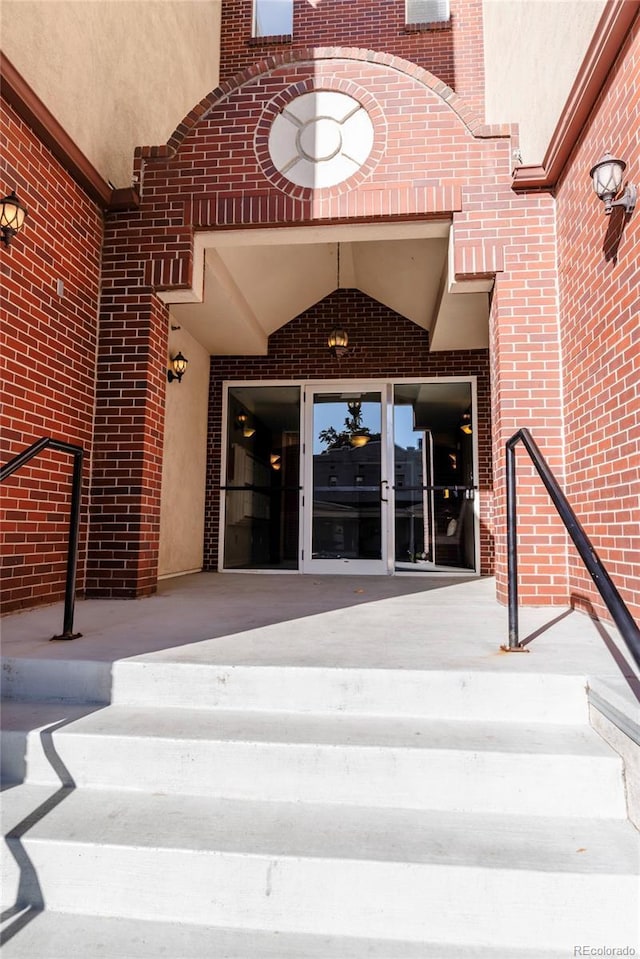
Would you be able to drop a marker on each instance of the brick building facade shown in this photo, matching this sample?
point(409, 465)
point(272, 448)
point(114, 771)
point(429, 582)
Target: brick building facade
point(561, 287)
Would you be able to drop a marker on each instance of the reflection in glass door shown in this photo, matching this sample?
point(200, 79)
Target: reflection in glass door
point(262, 482)
point(434, 487)
point(346, 482)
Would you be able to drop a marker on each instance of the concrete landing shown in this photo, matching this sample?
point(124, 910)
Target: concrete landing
point(303, 621)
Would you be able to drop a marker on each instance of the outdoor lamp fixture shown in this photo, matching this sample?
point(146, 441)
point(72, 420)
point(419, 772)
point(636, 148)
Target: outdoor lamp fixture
point(179, 364)
point(607, 181)
point(338, 342)
point(12, 217)
point(243, 422)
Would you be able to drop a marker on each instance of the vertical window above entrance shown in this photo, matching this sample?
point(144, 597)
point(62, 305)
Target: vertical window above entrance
point(272, 18)
point(262, 482)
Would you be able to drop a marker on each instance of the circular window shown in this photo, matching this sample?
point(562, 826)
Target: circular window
point(320, 139)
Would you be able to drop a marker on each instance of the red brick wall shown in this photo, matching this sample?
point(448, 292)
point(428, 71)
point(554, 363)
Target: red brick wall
point(129, 426)
point(599, 261)
point(527, 392)
point(47, 362)
point(384, 344)
point(452, 51)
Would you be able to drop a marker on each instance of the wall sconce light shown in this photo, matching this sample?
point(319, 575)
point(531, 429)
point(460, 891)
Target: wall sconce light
point(338, 342)
point(607, 181)
point(243, 422)
point(179, 364)
point(12, 217)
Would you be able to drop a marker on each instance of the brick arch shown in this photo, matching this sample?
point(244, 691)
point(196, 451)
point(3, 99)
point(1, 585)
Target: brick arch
point(466, 113)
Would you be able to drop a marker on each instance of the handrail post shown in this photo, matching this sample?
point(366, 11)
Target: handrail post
point(74, 520)
point(594, 566)
point(512, 550)
point(72, 550)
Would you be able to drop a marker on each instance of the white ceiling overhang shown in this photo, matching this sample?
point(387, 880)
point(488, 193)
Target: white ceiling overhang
point(249, 283)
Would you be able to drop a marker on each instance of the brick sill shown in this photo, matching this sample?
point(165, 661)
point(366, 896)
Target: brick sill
point(432, 27)
point(270, 41)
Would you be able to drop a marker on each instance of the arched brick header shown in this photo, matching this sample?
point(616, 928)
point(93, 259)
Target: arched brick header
point(430, 157)
point(464, 111)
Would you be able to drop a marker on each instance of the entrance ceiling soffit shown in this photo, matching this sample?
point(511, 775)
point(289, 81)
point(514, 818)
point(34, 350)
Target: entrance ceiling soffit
point(247, 284)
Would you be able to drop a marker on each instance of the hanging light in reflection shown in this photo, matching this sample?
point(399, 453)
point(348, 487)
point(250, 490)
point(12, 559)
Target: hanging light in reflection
point(465, 426)
point(243, 422)
point(274, 459)
point(359, 435)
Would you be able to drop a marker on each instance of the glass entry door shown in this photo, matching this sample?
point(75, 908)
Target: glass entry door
point(347, 481)
point(351, 478)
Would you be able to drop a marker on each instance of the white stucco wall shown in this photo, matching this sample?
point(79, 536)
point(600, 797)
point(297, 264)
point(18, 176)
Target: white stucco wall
point(533, 50)
point(116, 74)
point(184, 461)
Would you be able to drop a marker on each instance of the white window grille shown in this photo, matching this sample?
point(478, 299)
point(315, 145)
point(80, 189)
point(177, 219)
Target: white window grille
point(427, 11)
point(272, 18)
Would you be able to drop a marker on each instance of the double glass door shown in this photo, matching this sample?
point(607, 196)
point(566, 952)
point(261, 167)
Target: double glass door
point(350, 478)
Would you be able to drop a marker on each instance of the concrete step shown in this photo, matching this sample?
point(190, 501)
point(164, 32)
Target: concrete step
point(498, 690)
point(413, 763)
point(499, 882)
point(46, 935)
point(482, 695)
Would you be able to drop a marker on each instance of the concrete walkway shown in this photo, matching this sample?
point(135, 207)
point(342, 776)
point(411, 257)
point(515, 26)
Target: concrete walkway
point(342, 621)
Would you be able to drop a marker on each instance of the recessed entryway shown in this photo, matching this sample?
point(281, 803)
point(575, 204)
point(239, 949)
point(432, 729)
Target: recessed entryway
point(372, 477)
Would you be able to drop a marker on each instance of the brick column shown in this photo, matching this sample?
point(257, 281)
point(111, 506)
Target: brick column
point(526, 384)
point(129, 426)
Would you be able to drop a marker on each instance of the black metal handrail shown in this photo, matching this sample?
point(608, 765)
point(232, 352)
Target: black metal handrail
point(613, 601)
point(74, 521)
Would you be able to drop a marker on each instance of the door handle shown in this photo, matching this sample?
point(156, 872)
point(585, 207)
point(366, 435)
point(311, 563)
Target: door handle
point(383, 483)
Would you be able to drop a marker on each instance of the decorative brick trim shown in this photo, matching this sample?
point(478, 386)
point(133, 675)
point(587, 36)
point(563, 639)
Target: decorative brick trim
point(466, 113)
point(168, 271)
point(269, 41)
point(478, 259)
point(310, 85)
point(264, 208)
point(431, 27)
